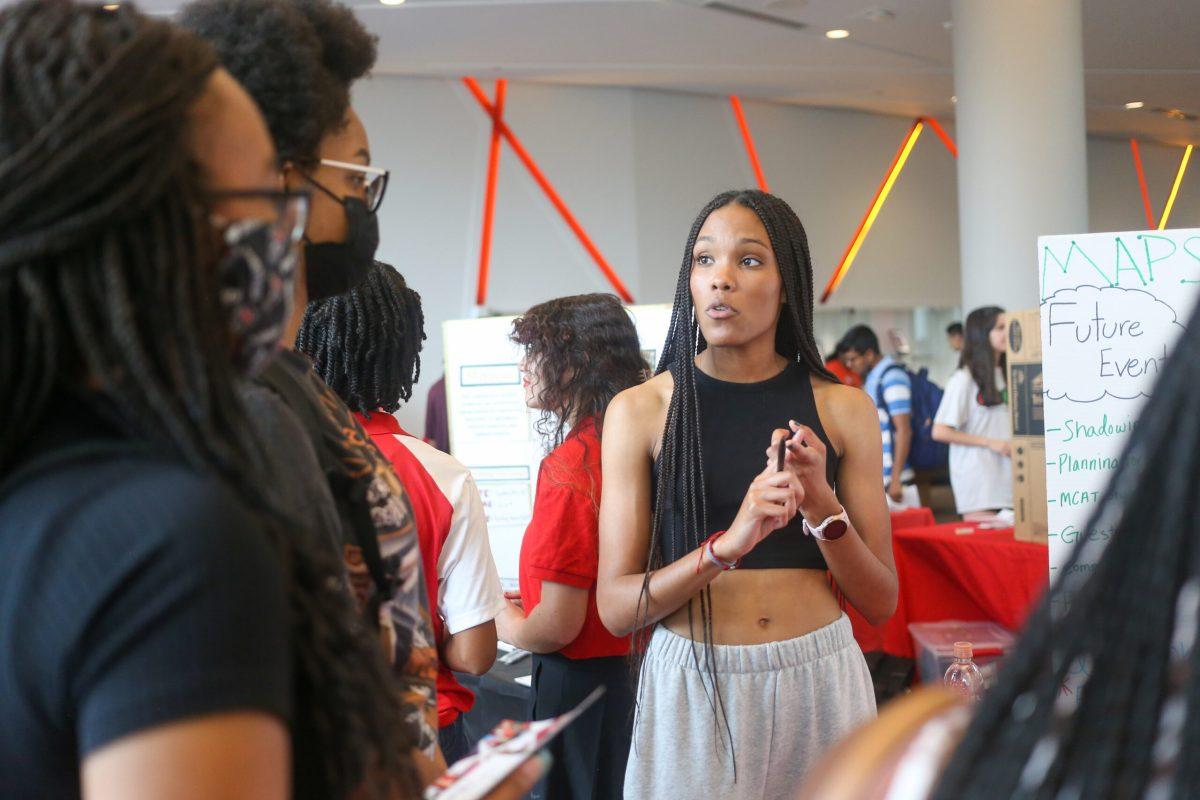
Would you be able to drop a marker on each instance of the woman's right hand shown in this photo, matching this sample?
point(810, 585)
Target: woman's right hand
point(771, 502)
point(1001, 447)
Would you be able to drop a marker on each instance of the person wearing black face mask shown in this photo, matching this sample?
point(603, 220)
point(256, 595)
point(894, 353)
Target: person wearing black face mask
point(336, 267)
point(297, 59)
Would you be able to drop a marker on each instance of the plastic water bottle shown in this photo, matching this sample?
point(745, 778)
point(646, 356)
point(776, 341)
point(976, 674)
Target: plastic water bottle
point(964, 676)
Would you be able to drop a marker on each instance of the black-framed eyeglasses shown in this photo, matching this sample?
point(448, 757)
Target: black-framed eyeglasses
point(373, 181)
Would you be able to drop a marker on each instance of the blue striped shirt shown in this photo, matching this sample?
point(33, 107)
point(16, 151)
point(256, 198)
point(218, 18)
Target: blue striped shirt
point(896, 391)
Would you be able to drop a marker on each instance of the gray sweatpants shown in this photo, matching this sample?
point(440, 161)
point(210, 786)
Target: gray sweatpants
point(785, 703)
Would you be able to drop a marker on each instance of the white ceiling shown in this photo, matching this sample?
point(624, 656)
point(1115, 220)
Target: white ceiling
point(1146, 50)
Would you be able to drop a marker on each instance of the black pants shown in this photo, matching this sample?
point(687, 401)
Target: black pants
point(590, 755)
point(454, 741)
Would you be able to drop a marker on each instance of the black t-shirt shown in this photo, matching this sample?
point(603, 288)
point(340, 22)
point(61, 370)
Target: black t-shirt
point(134, 592)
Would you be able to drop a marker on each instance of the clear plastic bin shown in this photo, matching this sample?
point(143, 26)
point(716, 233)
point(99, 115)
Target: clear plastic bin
point(933, 643)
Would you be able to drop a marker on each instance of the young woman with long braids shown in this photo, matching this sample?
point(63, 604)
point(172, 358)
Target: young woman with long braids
point(579, 353)
point(749, 668)
point(973, 417)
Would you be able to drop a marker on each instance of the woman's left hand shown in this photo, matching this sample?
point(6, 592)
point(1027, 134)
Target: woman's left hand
point(806, 456)
point(1001, 447)
point(509, 621)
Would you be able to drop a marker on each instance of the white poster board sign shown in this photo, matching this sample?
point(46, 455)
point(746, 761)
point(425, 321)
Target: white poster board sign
point(1112, 306)
point(491, 430)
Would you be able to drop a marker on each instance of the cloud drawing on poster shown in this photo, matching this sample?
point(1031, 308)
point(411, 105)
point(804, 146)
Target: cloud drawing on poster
point(1105, 342)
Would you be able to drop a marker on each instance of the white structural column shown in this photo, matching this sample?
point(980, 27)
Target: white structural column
point(1022, 143)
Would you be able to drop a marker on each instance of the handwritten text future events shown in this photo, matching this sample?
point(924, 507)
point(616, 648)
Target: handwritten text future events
point(1117, 337)
point(1113, 306)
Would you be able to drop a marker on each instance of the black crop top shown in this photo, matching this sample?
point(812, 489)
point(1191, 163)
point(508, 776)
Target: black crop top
point(736, 421)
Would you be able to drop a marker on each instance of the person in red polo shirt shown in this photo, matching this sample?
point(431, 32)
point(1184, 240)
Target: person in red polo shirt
point(579, 352)
point(366, 345)
point(835, 364)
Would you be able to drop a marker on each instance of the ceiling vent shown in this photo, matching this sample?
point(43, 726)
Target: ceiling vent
point(760, 16)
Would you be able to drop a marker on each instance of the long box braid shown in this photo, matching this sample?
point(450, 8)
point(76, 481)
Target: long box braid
point(1124, 632)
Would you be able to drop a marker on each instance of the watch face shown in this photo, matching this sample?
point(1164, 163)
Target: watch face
point(835, 530)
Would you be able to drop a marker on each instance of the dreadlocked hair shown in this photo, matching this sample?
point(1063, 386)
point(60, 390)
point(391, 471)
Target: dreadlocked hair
point(585, 351)
point(1124, 629)
point(108, 295)
point(366, 344)
point(681, 466)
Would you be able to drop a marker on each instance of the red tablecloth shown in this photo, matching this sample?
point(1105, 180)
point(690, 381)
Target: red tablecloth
point(912, 518)
point(983, 575)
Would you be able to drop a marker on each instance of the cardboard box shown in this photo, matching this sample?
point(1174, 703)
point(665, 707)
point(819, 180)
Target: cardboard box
point(1027, 404)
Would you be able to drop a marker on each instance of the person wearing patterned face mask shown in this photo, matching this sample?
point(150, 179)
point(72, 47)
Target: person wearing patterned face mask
point(257, 274)
point(164, 623)
point(260, 232)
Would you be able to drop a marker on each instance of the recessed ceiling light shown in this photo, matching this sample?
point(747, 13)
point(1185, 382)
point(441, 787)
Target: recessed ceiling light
point(1134, 104)
point(111, 6)
point(392, 2)
point(837, 33)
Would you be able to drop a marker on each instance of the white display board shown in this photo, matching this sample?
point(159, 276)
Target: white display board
point(491, 430)
point(1112, 306)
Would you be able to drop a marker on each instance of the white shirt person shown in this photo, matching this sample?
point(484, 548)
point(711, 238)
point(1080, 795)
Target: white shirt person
point(980, 470)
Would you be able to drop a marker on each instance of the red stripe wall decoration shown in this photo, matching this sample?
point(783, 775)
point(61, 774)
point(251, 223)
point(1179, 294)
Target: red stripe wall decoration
point(548, 189)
